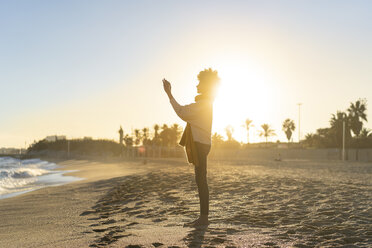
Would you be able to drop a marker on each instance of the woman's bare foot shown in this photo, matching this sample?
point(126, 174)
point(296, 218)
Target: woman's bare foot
point(201, 221)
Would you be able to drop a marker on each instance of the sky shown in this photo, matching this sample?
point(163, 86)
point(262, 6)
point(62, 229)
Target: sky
point(83, 68)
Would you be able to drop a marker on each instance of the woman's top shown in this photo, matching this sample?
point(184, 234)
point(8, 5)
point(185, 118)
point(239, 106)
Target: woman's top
point(199, 116)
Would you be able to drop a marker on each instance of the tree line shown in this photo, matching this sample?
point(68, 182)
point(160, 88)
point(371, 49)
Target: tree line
point(163, 135)
point(356, 135)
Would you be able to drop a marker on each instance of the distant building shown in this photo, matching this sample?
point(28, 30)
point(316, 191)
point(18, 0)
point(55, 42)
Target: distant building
point(54, 138)
point(5, 150)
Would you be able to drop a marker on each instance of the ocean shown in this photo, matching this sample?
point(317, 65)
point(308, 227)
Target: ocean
point(21, 176)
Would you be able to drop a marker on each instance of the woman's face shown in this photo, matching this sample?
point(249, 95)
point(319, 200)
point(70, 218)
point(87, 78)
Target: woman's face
point(200, 88)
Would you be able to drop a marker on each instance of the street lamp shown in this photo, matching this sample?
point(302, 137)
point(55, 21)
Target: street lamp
point(299, 122)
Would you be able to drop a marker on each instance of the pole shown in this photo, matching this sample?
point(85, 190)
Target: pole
point(68, 148)
point(343, 141)
point(299, 122)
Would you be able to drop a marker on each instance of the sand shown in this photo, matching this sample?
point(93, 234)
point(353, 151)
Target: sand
point(261, 204)
point(50, 217)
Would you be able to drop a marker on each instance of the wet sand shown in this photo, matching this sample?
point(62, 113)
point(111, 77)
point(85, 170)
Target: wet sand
point(260, 204)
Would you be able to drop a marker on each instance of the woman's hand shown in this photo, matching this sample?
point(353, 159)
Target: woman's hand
point(167, 87)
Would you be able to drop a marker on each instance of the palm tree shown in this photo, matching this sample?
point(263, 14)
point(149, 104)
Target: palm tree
point(267, 131)
point(229, 132)
point(145, 135)
point(336, 122)
point(247, 125)
point(165, 136)
point(156, 129)
point(128, 141)
point(365, 133)
point(156, 135)
point(138, 136)
point(288, 128)
point(357, 114)
point(336, 130)
point(175, 133)
point(164, 127)
point(217, 140)
point(309, 139)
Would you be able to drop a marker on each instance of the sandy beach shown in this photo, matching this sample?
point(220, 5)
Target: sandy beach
point(253, 204)
point(50, 217)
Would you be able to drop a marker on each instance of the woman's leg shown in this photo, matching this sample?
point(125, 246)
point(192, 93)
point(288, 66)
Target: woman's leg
point(201, 182)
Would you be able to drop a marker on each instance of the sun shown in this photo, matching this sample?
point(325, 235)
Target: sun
point(245, 92)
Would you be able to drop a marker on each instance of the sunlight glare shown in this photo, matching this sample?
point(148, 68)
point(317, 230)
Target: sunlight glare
point(245, 92)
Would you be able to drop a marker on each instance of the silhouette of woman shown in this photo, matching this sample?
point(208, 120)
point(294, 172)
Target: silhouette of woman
point(196, 137)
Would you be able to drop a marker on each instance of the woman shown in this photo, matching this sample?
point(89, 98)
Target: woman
point(197, 135)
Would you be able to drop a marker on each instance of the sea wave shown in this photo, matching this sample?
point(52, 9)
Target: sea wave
point(15, 174)
point(24, 175)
